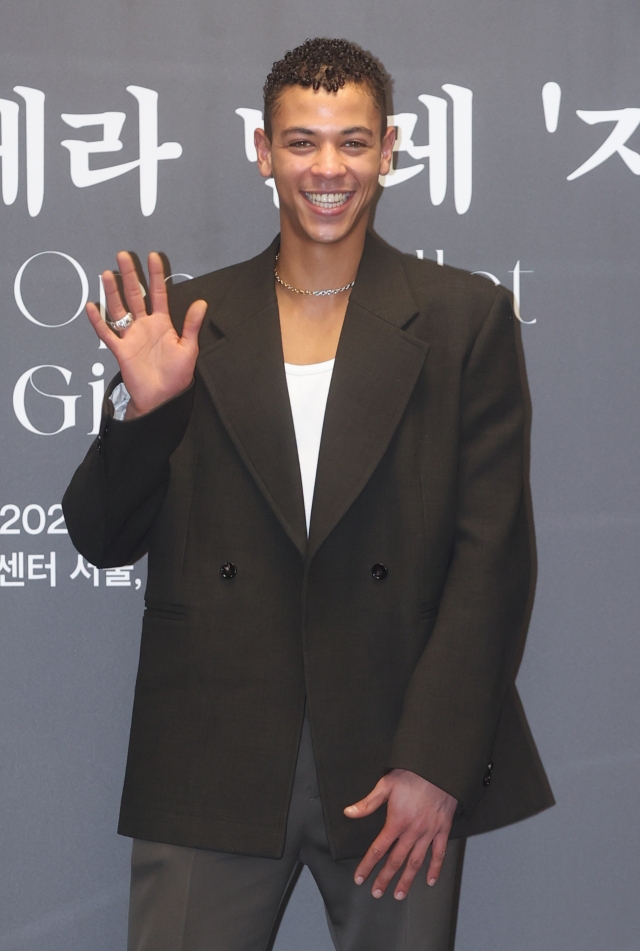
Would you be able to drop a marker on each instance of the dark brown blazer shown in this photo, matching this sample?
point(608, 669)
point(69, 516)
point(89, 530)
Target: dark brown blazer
point(398, 619)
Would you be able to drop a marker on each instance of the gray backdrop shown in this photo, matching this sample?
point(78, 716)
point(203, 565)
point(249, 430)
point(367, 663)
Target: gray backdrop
point(511, 203)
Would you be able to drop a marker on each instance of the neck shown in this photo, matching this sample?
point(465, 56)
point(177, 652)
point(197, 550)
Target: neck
point(313, 265)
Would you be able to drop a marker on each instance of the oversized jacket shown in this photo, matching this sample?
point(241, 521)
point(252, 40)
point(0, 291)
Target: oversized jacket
point(397, 621)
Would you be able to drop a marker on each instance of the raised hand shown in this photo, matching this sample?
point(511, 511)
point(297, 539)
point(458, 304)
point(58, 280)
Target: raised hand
point(156, 364)
point(419, 815)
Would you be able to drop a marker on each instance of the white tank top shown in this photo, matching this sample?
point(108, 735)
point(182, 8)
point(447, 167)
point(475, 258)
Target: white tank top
point(308, 391)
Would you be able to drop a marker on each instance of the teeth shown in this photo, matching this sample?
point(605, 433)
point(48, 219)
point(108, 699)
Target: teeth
point(328, 199)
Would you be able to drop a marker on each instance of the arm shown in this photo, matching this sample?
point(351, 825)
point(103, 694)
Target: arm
point(451, 709)
point(117, 491)
point(453, 702)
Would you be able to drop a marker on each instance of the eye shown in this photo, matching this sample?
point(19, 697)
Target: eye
point(300, 144)
point(354, 144)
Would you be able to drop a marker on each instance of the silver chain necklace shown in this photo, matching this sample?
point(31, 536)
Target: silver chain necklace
point(296, 290)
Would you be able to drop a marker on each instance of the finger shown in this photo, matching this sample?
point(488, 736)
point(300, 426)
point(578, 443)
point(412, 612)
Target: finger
point(375, 853)
point(193, 321)
point(115, 306)
point(110, 339)
point(378, 795)
point(157, 284)
point(392, 866)
point(413, 866)
point(438, 852)
point(131, 284)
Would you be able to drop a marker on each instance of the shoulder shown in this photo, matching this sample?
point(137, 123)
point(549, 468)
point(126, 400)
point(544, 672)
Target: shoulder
point(215, 286)
point(451, 299)
point(427, 279)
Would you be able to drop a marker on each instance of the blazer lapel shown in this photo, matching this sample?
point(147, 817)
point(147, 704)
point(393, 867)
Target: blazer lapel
point(243, 371)
point(376, 369)
point(377, 366)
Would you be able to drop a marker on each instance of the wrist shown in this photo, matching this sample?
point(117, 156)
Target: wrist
point(133, 411)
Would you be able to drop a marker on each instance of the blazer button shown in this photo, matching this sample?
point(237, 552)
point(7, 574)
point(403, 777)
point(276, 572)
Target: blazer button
point(487, 775)
point(99, 444)
point(379, 572)
point(228, 570)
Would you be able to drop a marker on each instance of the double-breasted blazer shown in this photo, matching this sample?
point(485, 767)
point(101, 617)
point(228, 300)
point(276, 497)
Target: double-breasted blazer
point(396, 620)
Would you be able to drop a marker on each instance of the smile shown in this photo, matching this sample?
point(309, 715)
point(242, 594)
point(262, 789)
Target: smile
point(328, 199)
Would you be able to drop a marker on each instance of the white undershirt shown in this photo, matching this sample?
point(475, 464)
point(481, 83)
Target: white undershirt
point(308, 391)
point(308, 387)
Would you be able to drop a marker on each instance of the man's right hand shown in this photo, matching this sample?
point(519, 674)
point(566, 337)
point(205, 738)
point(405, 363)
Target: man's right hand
point(156, 364)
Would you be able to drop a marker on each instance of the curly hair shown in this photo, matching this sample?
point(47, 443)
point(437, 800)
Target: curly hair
point(326, 64)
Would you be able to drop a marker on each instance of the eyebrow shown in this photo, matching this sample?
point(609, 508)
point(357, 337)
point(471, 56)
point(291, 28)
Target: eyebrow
point(298, 130)
point(357, 128)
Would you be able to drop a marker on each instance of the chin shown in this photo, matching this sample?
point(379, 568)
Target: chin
point(326, 232)
point(327, 237)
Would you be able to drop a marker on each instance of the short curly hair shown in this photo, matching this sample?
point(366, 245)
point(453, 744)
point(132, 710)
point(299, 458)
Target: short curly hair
point(326, 64)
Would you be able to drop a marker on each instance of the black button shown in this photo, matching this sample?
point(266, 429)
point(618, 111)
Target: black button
point(99, 444)
point(379, 572)
point(487, 775)
point(228, 570)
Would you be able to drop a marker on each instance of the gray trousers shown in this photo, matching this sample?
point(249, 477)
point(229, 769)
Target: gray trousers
point(185, 899)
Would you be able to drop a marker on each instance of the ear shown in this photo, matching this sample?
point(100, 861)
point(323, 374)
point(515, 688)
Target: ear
point(386, 152)
point(263, 148)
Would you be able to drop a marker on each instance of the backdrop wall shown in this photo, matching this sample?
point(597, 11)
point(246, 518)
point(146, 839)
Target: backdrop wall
point(124, 125)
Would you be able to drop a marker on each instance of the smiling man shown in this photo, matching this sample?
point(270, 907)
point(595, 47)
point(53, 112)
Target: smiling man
point(321, 450)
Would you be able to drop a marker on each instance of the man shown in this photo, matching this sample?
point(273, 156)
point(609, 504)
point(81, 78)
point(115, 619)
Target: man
point(322, 454)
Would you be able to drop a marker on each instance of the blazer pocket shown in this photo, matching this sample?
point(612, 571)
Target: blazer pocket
point(165, 611)
point(428, 611)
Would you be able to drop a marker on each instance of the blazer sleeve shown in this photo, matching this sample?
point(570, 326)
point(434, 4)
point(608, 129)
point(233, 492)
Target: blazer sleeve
point(453, 701)
point(118, 489)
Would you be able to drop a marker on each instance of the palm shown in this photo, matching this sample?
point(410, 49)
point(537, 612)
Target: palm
point(152, 359)
point(156, 364)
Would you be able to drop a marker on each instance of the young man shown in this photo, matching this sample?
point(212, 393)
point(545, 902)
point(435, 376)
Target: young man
point(322, 454)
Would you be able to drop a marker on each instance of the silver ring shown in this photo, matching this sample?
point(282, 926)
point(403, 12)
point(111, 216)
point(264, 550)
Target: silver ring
point(121, 324)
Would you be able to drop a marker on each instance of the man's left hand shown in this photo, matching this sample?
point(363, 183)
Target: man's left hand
point(419, 815)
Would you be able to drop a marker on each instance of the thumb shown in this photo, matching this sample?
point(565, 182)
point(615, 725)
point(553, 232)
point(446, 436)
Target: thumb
point(193, 321)
point(364, 807)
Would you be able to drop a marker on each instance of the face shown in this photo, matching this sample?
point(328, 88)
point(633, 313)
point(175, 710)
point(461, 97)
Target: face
point(325, 155)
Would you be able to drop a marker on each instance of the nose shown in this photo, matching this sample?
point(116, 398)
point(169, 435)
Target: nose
point(329, 163)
